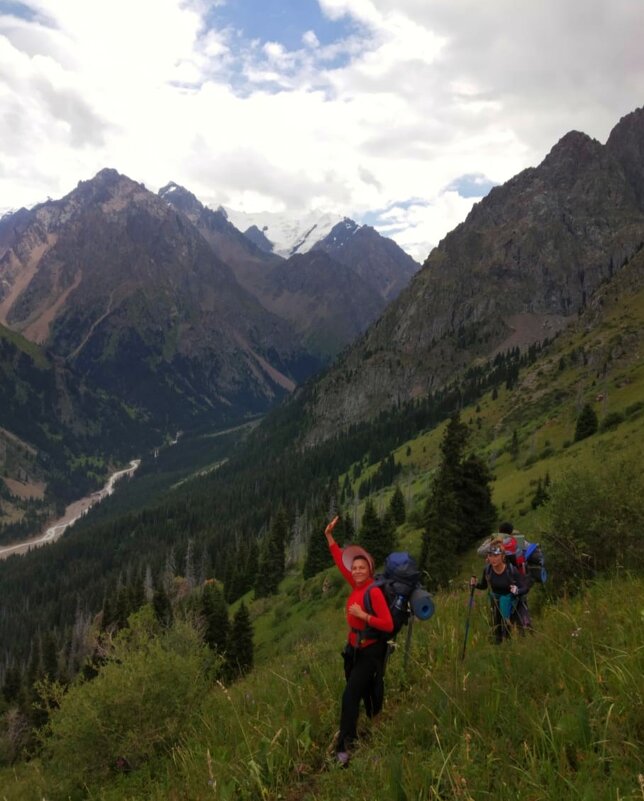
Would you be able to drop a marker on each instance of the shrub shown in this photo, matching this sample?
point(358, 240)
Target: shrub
point(612, 420)
point(137, 707)
point(594, 520)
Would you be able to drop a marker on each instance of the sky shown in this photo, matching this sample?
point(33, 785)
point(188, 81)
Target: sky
point(397, 113)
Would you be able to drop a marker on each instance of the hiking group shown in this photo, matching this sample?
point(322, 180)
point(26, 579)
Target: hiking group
point(378, 607)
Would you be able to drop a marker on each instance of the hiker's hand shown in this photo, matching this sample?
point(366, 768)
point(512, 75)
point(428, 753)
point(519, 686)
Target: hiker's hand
point(328, 531)
point(514, 589)
point(357, 611)
point(473, 581)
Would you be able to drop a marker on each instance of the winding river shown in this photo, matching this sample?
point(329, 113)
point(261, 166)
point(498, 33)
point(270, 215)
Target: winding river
point(72, 513)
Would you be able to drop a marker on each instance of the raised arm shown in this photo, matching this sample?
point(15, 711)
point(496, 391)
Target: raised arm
point(336, 551)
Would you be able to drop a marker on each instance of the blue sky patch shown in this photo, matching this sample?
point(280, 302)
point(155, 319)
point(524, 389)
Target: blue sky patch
point(283, 21)
point(472, 185)
point(17, 9)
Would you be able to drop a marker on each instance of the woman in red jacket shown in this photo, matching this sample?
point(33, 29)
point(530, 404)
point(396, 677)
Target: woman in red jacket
point(366, 649)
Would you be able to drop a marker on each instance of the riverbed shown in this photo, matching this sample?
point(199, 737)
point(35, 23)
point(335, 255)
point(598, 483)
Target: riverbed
point(72, 513)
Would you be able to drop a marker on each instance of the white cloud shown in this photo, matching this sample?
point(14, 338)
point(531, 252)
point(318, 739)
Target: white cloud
point(420, 94)
point(310, 39)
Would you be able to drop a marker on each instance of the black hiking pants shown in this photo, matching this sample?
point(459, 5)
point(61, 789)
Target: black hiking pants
point(364, 670)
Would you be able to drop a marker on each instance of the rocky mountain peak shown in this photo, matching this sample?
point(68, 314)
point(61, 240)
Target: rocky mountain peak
point(573, 152)
point(626, 145)
point(180, 198)
point(259, 238)
point(108, 189)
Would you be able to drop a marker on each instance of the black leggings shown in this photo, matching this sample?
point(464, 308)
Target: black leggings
point(364, 670)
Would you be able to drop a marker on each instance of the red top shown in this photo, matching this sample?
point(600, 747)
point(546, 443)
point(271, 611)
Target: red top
point(381, 617)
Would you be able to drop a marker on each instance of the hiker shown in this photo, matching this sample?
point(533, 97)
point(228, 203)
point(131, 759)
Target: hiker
point(364, 656)
point(506, 585)
point(514, 555)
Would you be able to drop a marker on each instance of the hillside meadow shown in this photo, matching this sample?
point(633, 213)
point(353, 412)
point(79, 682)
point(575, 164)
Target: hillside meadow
point(557, 714)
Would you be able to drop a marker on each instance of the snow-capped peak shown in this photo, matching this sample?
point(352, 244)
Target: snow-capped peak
point(287, 234)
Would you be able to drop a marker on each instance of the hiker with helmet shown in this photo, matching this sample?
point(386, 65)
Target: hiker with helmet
point(364, 655)
point(506, 586)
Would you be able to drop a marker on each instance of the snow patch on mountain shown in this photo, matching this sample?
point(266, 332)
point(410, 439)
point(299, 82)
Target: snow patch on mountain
point(286, 234)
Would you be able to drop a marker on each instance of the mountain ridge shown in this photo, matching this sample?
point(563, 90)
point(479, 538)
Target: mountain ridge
point(535, 249)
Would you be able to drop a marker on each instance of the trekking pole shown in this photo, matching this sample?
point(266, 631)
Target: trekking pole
point(467, 622)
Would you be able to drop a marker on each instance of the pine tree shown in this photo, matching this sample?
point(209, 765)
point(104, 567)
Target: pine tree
point(397, 506)
point(476, 511)
point(162, 607)
point(541, 494)
point(263, 581)
point(215, 615)
point(271, 568)
point(586, 423)
point(372, 536)
point(239, 651)
point(440, 535)
point(12, 685)
point(49, 656)
point(389, 535)
point(514, 445)
point(459, 509)
point(317, 555)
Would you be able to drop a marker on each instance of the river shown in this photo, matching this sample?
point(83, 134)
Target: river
point(72, 513)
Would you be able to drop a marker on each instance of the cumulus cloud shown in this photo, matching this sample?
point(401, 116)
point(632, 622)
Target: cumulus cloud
point(425, 99)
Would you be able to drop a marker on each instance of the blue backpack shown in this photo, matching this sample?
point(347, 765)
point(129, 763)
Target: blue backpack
point(400, 584)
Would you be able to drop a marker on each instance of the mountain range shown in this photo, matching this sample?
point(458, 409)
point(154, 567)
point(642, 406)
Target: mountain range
point(164, 307)
point(525, 262)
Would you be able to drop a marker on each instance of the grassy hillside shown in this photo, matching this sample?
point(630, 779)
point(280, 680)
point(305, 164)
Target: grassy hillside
point(557, 714)
point(550, 716)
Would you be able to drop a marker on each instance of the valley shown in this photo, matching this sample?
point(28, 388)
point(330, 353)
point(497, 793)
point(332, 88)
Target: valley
point(522, 333)
point(73, 512)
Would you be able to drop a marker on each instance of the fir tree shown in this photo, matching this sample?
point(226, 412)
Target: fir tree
point(12, 685)
point(397, 506)
point(476, 511)
point(215, 616)
point(317, 555)
point(459, 509)
point(541, 494)
point(49, 656)
point(162, 607)
point(372, 536)
point(271, 567)
point(586, 423)
point(514, 445)
point(239, 651)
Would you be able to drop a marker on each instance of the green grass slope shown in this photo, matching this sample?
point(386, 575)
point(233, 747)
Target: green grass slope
point(555, 715)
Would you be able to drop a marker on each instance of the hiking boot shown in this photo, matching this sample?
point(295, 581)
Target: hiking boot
point(342, 758)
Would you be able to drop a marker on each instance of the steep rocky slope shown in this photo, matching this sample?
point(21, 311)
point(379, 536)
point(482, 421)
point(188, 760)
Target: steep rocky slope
point(131, 295)
point(525, 262)
point(329, 294)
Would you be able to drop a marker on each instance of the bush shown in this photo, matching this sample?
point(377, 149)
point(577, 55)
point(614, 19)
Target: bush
point(594, 520)
point(137, 707)
point(612, 420)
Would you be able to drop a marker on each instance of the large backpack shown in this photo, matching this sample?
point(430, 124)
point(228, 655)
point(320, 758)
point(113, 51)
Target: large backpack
point(400, 584)
point(528, 557)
